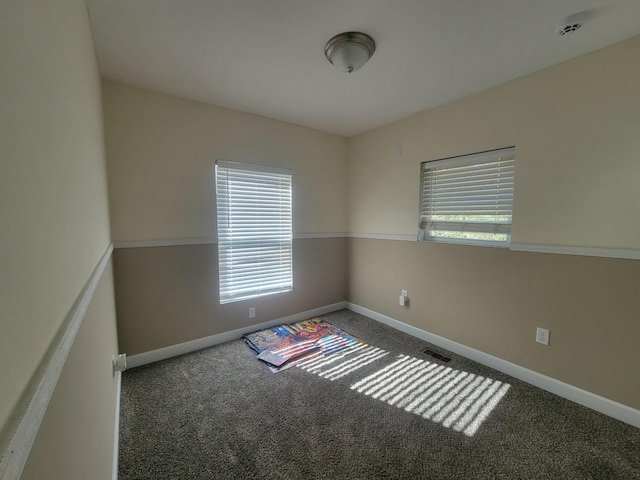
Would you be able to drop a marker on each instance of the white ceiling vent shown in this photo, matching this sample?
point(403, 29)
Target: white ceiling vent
point(572, 23)
point(569, 28)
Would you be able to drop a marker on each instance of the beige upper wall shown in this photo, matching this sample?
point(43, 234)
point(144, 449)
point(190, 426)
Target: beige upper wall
point(53, 192)
point(161, 152)
point(575, 127)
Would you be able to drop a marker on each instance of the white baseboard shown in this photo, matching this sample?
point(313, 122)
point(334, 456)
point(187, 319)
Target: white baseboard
point(591, 400)
point(200, 343)
point(116, 434)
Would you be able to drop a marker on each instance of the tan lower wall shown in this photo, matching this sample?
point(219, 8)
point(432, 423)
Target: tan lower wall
point(493, 299)
point(76, 437)
point(169, 295)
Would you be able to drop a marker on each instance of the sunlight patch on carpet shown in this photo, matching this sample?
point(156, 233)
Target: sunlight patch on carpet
point(453, 398)
point(332, 368)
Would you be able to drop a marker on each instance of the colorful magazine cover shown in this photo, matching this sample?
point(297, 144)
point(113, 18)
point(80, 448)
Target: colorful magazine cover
point(293, 352)
point(284, 346)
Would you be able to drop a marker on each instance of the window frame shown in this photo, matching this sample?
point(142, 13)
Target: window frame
point(237, 279)
point(505, 155)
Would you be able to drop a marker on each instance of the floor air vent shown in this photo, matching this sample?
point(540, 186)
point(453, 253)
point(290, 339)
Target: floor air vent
point(437, 355)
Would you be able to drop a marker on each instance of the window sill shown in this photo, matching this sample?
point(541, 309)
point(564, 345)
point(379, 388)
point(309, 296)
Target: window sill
point(472, 243)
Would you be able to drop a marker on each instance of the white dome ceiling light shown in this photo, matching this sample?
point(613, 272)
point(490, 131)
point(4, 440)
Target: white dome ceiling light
point(349, 51)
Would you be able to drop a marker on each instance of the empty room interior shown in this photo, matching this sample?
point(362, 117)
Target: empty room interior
point(121, 118)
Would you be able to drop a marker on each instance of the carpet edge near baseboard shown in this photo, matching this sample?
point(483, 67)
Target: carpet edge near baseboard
point(164, 353)
point(588, 399)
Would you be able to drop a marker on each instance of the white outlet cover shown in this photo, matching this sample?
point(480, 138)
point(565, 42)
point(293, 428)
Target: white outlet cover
point(542, 336)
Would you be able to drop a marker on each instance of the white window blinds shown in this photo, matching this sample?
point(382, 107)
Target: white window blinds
point(254, 230)
point(469, 197)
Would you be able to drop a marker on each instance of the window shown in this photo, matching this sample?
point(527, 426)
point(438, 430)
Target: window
point(254, 231)
point(468, 199)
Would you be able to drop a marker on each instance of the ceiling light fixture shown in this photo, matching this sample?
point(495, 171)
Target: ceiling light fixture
point(349, 51)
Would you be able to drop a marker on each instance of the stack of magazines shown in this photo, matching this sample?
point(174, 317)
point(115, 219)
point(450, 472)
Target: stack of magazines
point(284, 346)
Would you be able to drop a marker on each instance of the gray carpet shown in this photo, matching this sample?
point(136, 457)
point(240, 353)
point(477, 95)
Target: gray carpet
point(389, 411)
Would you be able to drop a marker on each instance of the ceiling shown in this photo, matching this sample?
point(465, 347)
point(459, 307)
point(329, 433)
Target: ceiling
point(266, 57)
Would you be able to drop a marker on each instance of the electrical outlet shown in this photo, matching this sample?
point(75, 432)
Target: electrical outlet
point(404, 299)
point(119, 362)
point(252, 312)
point(542, 336)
